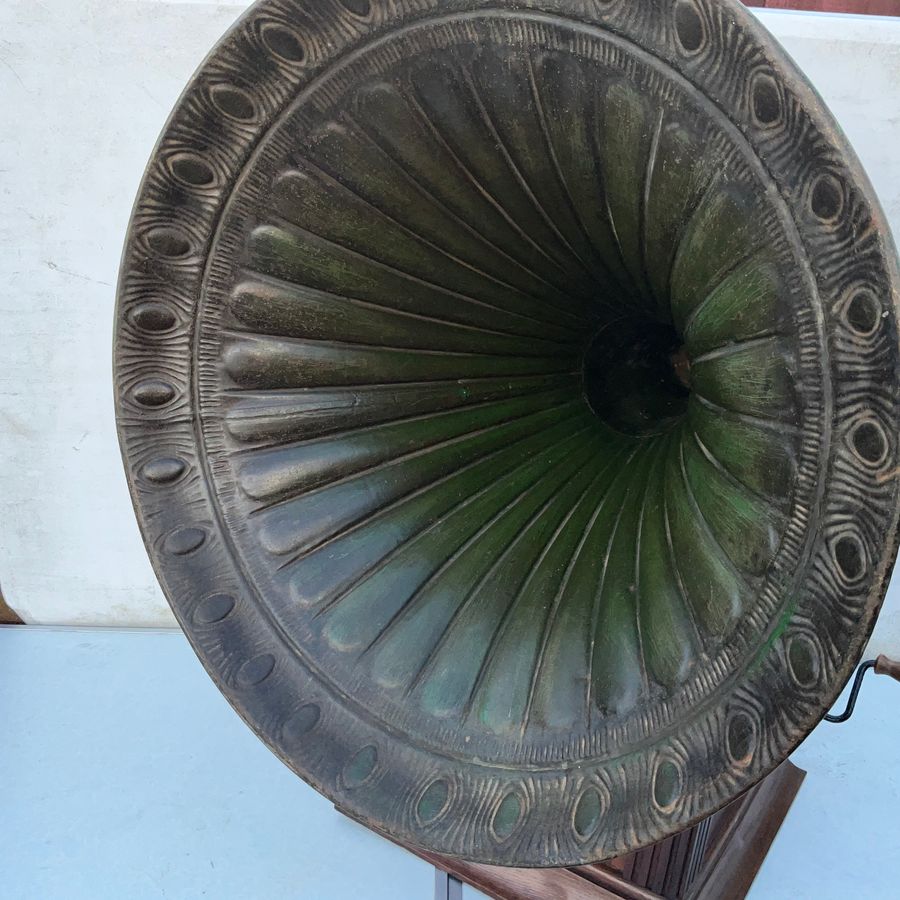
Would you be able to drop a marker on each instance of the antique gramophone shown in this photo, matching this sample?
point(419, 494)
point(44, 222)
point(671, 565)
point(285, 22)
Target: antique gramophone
point(508, 392)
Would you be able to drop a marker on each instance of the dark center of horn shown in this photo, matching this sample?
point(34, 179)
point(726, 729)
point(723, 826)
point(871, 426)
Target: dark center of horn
point(636, 376)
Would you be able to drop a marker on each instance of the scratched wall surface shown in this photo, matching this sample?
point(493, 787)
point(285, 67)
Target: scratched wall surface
point(87, 86)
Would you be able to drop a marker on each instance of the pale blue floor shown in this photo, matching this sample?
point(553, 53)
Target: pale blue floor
point(126, 775)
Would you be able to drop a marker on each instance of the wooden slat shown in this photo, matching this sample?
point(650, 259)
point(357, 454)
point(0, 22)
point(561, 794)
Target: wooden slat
point(616, 884)
point(641, 873)
point(659, 865)
point(677, 862)
point(859, 7)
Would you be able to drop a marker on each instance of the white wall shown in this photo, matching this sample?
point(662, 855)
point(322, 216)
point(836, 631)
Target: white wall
point(86, 86)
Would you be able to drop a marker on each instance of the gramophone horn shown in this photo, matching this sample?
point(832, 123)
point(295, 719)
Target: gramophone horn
point(508, 392)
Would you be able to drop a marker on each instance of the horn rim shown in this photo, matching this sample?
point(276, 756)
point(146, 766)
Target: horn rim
point(181, 526)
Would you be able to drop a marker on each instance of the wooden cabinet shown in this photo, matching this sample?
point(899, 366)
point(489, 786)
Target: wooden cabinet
point(717, 859)
point(862, 7)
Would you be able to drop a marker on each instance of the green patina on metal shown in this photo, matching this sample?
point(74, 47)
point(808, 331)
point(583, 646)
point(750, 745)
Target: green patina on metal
point(509, 394)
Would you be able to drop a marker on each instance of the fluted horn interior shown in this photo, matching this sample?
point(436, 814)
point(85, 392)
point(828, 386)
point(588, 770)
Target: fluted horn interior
point(508, 391)
point(508, 383)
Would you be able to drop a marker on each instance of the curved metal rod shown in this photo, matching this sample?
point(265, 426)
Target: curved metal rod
point(854, 692)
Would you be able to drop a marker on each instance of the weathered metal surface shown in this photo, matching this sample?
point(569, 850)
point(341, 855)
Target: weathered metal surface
point(509, 397)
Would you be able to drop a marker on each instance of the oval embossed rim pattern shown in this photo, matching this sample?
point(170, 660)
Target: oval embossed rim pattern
point(810, 653)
